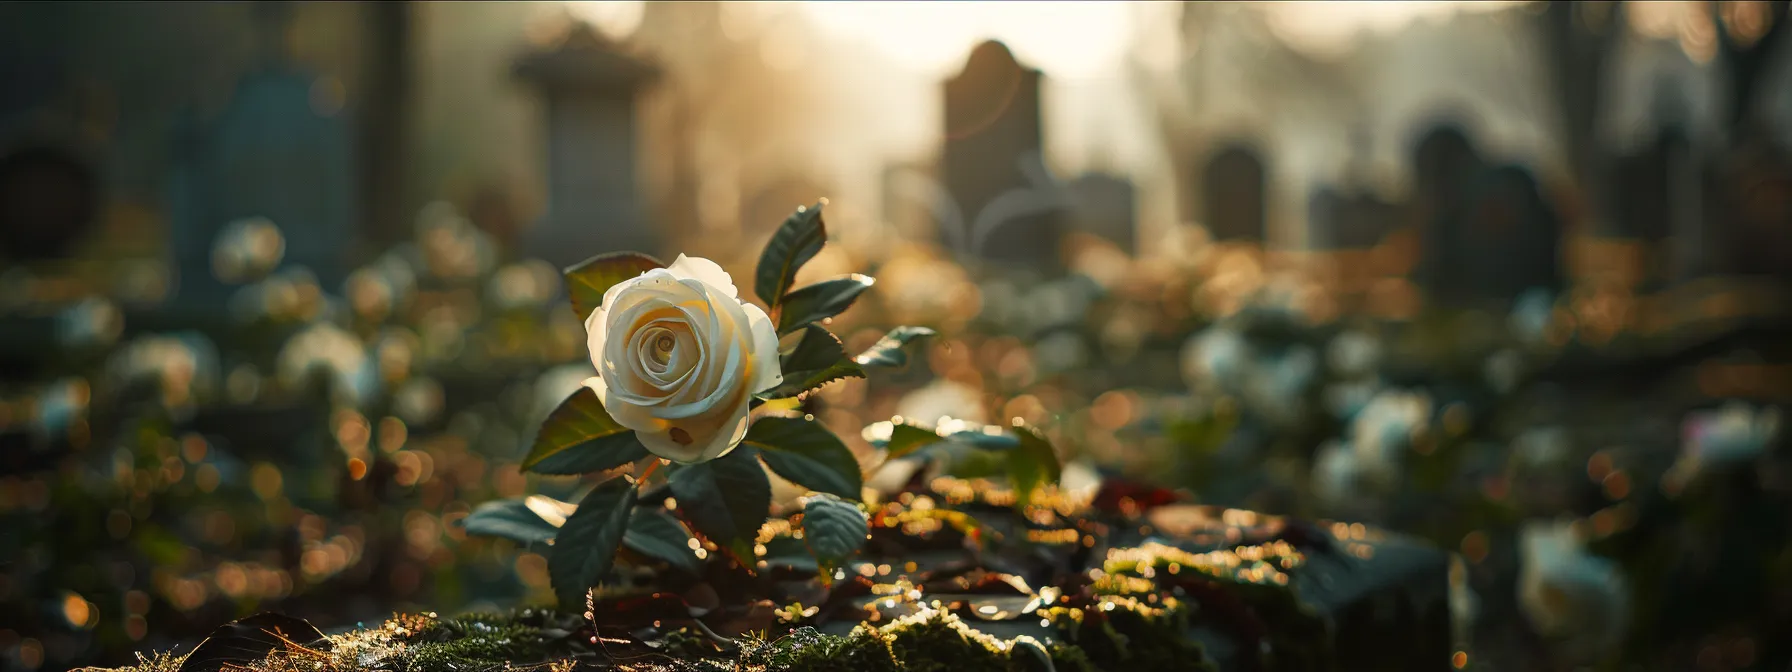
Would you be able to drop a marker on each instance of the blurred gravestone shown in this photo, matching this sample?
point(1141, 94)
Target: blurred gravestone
point(1234, 195)
point(1445, 165)
point(1104, 206)
point(279, 151)
point(1751, 214)
point(48, 202)
point(1509, 238)
point(993, 164)
point(589, 84)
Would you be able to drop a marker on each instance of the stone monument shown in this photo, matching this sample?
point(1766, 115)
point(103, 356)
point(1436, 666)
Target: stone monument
point(993, 167)
point(274, 153)
point(1234, 195)
point(588, 86)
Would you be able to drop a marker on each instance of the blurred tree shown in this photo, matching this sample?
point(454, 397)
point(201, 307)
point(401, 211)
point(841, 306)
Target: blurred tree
point(1750, 31)
point(1579, 38)
point(384, 108)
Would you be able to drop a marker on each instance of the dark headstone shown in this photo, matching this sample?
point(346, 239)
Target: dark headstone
point(1509, 238)
point(1234, 195)
point(270, 154)
point(1750, 214)
point(48, 202)
point(594, 203)
point(993, 164)
point(1445, 166)
point(1105, 206)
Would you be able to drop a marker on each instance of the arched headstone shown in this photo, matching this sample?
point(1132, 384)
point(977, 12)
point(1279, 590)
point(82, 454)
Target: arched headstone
point(992, 163)
point(1445, 166)
point(1234, 195)
point(594, 203)
point(48, 202)
point(272, 153)
point(1751, 215)
point(1510, 238)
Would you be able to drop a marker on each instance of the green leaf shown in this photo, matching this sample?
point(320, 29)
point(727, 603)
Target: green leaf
point(901, 439)
point(656, 534)
point(581, 426)
point(790, 553)
point(587, 543)
point(887, 351)
point(509, 519)
point(822, 300)
point(818, 359)
point(794, 244)
point(725, 499)
point(599, 454)
point(808, 455)
point(1033, 463)
point(984, 437)
point(587, 280)
point(833, 528)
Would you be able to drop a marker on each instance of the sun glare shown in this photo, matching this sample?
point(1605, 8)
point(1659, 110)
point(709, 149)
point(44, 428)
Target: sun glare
point(1065, 39)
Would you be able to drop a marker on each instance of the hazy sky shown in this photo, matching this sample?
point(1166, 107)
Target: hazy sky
point(1096, 116)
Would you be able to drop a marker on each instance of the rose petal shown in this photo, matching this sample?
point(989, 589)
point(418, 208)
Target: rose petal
point(660, 443)
point(727, 375)
point(632, 416)
point(712, 435)
point(767, 373)
point(704, 271)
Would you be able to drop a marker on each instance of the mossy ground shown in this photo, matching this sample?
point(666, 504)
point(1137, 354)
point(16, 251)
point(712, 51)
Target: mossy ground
point(927, 641)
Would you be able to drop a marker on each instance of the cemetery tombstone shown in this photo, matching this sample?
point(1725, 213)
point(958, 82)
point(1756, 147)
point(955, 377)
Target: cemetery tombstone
point(274, 153)
point(1234, 195)
point(1445, 166)
point(1751, 214)
point(993, 167)
point(49, 199)
point(1105, 206)
point(588, 85)
point(1509, 238)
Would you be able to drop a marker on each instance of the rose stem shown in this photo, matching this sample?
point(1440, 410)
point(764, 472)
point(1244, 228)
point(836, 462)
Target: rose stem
point(652, 466)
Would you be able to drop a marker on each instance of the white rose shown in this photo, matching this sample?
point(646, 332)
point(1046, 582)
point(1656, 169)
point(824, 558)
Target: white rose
point(1567, 593)
point(678, 358)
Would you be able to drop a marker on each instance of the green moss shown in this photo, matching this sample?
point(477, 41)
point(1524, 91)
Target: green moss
point(474, 641)
point(937, 641)
point(805, 650)
point(1067, 658)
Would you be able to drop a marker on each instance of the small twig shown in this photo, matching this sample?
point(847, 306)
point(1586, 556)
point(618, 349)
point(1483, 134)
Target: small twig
point(711, 634)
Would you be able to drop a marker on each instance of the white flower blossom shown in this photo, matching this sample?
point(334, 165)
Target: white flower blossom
point(1568, 594)
point(679, 357)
